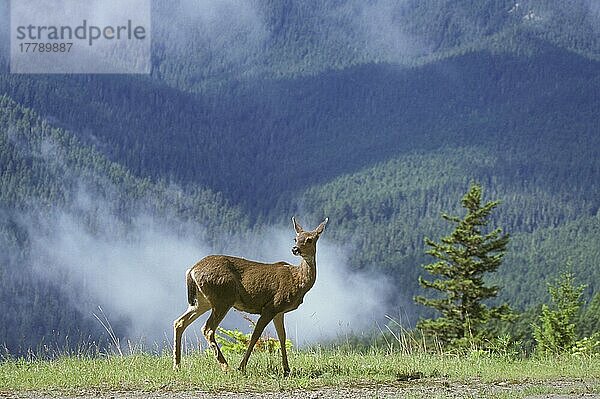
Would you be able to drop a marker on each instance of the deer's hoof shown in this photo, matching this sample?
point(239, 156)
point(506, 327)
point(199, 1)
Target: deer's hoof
point(176, 367)
point(286, 372)
point(224, 367)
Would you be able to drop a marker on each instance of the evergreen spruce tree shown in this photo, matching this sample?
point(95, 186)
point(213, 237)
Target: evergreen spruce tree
point(556, 332)
point(464, 257)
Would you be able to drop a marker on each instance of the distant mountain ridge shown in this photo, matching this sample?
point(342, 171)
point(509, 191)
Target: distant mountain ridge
point(275, 39)
point(262, 140)
point(312, 108)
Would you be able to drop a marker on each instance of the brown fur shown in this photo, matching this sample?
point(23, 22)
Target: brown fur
point(221, 282)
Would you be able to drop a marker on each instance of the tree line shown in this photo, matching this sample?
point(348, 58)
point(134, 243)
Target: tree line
point(461, 300)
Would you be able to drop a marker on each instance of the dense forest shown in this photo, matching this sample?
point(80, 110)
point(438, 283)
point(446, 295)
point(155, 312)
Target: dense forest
point(47, 174)
point(376, 114)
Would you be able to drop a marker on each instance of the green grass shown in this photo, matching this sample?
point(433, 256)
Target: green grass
point(310, 370)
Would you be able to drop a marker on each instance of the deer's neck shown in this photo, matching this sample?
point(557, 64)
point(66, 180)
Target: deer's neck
point(308, 273)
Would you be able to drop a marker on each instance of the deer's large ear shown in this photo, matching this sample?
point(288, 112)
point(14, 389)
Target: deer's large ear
point(321, 227)
point(297, 227)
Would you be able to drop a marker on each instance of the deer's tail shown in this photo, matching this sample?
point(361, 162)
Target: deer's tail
point(192, 289)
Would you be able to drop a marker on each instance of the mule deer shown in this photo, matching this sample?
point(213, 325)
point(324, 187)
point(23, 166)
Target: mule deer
point(221, 282)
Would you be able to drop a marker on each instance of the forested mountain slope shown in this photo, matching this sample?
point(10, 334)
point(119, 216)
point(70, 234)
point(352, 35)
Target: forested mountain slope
point(490, 72)
point(49, 178)
point(390, 208)
point(375, 113)
point(201, 45)
point(267, 139)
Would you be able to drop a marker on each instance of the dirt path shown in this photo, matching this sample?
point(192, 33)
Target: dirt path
point(424, 388)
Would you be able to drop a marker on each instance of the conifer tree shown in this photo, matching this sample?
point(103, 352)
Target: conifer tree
point(464, 258)
point(556, 332)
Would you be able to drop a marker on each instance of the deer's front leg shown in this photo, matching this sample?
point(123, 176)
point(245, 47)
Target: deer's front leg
point(280, 328)
point(262, 322)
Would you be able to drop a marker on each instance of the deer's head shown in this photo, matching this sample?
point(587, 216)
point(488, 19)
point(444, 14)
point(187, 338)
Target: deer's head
point(306, 241)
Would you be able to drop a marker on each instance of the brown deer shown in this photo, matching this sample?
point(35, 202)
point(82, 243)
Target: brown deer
point(221, 282)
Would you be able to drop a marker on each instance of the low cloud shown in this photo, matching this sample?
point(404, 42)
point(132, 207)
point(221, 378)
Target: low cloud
point(225, 33)
point(341, 302)
point(381, 25)
point(135, 270)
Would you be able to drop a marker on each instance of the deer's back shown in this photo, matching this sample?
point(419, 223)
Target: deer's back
point(247, 285)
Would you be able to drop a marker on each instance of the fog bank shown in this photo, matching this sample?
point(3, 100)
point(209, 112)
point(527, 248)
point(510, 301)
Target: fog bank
point(135, 271)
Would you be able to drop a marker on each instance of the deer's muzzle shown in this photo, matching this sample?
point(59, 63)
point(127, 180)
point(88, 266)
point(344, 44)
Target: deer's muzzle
point(295, 250)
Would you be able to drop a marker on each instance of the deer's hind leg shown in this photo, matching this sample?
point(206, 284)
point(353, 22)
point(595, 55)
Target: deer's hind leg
point(179, 326)
point(209, 329)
